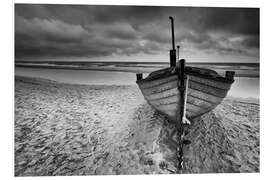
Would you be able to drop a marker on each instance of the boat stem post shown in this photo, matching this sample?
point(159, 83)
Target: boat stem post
point(181, 107)
point(139, 76)
point(182, 88)
point(230, 75)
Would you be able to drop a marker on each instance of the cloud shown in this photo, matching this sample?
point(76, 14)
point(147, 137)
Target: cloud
point(52, 29)
point(119, 30)
point(97, 31)
point(42, 37)
point(235, 20)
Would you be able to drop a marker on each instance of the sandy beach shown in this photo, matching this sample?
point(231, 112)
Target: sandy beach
point(68, 129)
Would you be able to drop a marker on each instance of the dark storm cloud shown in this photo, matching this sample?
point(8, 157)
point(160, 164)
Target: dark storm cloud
point(244, 21)
point(93, 31)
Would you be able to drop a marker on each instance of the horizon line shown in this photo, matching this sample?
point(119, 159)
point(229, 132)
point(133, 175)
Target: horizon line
point(131, 62)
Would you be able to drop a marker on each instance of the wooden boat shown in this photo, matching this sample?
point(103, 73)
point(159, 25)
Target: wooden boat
point(205, 90)
point(181, 92)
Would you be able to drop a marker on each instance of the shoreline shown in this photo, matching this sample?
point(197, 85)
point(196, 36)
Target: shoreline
point(71, 129)
point(128, 69)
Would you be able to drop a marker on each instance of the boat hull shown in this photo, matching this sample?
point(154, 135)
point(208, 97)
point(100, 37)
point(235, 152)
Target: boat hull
point(204, 92)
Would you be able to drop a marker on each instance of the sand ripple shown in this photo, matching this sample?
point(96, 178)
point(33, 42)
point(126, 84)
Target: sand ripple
point(64, 129)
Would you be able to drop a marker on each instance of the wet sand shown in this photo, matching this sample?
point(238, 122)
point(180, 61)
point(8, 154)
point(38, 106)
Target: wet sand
point(66, 129)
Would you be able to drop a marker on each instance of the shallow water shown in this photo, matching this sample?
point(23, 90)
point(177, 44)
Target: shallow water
point(245, 88)
point(242, 87)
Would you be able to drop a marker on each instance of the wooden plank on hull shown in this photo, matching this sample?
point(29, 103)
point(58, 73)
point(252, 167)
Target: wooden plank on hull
point(170, 113)
point(167, 107)
point(162, 95)
point(157, 82)
point(198, 102)
point(207, 89)
point(195, 109)
point(162, 87)
point(193, 115)
point(204, 96)
point(202, 99)
point(168, 100)
point(167, 112)
point(221, 85)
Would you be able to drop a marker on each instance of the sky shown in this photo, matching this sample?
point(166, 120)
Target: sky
point(135, 33)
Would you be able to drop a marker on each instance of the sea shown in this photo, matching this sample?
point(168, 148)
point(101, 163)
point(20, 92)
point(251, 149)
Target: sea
point(246, 85)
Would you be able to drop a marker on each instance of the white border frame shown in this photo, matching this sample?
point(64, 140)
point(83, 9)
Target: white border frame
point(7, 82)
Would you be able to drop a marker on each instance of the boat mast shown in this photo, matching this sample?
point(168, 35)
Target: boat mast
point(172, 51)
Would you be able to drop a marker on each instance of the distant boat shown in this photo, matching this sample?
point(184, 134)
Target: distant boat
point(182, 93)
point(205, 90)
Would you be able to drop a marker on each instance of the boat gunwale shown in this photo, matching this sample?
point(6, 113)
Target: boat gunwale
point(169, 72)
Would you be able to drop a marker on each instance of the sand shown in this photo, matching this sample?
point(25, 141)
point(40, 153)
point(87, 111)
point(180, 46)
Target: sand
point(67, 129)
point(225, 140)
